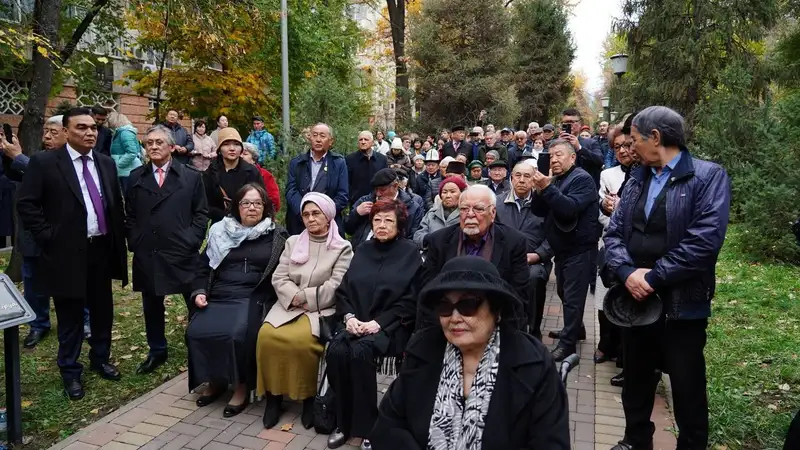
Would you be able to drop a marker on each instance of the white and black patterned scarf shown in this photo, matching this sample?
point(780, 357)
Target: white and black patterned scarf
point(455, 424)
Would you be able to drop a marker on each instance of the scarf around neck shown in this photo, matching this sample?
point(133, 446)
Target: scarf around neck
point(457, 423)
point(228, 234)
point(334, 241)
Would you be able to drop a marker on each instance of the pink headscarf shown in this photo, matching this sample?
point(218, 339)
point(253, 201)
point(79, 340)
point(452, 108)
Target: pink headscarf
point(300, 253)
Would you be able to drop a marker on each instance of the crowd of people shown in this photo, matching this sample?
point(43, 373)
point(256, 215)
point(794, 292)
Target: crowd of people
point(425, 258)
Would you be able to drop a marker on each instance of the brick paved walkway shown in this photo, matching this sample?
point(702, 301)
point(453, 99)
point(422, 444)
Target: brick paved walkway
point(168, 419)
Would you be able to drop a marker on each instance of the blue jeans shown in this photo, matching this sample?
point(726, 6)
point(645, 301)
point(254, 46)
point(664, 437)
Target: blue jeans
point(39, 302)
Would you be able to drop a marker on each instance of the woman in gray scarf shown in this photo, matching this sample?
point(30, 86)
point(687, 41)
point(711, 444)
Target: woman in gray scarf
point(232, 290)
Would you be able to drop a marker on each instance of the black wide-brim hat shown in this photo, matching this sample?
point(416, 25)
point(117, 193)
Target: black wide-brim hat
point(471, 273)
point(623, 310)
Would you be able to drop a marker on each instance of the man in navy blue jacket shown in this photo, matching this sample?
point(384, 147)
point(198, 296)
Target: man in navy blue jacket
point(319, 170)
point(569, 202)
point(664, 238)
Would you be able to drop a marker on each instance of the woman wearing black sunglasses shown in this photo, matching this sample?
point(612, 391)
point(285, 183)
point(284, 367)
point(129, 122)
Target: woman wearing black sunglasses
point(476, 382)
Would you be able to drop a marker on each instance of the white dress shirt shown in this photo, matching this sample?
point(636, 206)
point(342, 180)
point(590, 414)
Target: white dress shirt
point(92, 227)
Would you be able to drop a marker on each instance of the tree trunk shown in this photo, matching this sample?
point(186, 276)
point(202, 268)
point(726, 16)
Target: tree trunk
point(397, 22)
point(47, 16)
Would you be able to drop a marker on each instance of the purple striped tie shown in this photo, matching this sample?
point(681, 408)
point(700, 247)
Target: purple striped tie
point(94, 194)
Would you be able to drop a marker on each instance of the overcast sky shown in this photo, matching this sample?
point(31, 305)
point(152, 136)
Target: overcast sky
point(590, 24)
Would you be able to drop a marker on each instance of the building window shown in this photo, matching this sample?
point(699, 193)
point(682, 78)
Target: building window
point(11, 97)
point(10, 10)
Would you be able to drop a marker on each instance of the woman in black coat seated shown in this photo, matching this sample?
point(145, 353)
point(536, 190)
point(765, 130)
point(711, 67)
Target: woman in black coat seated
point(376, 302)
point(232, 289)
point(475, 383)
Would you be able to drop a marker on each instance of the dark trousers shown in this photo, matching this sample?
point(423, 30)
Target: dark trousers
point(573, 275)
point(100, 303)
point(153, 308)
point(39, 302)
point(535, 308)
point(610, 336)
point(352, 374)
point(675, 346)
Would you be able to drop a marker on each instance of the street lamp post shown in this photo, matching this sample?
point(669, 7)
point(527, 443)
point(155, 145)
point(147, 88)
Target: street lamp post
point(606, 103)
point(285, 73)
point(619, 65)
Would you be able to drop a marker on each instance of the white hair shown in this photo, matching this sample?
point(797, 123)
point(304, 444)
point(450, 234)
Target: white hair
point(55, 120)
point(252, 149)
point(367, 133)
point(481, 189)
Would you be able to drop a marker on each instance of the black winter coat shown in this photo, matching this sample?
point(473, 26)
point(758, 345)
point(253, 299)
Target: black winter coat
point(51, 207)
point(360, 171)
point(166, 227)
point(528, 409)
point(526, 222)
point(509, 255)
point(216, 178)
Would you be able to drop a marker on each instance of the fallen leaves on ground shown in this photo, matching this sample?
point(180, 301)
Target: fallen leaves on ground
point(286, 427)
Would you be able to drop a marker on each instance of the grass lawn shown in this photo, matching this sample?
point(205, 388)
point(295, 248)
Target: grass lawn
point(752, 352)
point(48, 416)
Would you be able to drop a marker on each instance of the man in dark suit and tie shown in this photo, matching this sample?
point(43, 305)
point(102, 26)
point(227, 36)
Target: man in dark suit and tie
point(457, 145)
point(166, 215)
point(70, 200)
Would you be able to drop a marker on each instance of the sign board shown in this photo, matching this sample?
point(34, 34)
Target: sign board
point(14, 310)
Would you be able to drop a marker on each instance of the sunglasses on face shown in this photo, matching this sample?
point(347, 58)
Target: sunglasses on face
point(467, 307)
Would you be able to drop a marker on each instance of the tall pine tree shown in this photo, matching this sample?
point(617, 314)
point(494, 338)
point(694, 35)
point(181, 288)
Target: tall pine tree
point(542, 52)
point(460, 50)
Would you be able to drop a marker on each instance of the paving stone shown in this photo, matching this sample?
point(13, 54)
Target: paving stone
point(113, 445)
point(80, 446)
point(299, 443)
point(134, 438)
point(164, 421)
point(214, 445)
point(179, 389)
point(584, 432)
point(159, 400)
point(245, 418)
point(583, 409)
point(178, 442)
point(275, 435)
point(103, 434)
point(203, 439)
point(613, 412)
point(198, 414)
point(249, 442)
point(231, 432)
point(185, 404)
point(609, 429)
point(276, 446)
point(609, 420)
point(318, 443)
point(149, 429)
point(253, 429)
point(186, 428)
point(213, 422)
point(133, 417)
point(174, 412)
point(608, 439)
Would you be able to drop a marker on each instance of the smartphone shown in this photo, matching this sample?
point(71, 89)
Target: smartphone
point(566, 128)
point(8, 132)
point(543, 163)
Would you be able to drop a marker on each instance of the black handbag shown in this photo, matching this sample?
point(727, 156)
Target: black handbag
point(325, 407)
point(325, 332)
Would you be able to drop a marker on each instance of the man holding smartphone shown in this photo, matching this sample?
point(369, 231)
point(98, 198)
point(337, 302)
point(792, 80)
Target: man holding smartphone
point(589, 154)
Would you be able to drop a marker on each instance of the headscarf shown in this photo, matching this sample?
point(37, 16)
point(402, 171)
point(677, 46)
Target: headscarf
point(228, 234)
point(301, 251)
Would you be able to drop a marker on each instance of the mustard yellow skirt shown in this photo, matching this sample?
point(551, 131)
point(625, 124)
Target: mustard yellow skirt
point(288, 359)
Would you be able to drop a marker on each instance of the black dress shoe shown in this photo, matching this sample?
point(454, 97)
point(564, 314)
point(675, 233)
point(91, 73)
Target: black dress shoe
point(336, 439)
point(234, 410)
point(557, 334)
point(601, 358)
point(272, 412)
point(205, 400)
point(560, 353)
point(73, 389)
point(152, 363)
point(618, 379)
point(34, 337)
point(307, 418)
point(107, 371)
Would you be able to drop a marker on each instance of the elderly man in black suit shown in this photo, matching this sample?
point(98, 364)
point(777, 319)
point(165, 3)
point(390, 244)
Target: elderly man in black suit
point(477, 234)
point(166, 215)
point(70, 200)
point(569, 200)
point(457, 145)
point(514, 210)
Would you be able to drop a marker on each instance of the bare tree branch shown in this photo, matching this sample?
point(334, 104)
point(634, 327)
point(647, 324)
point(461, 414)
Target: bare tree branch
point(81, 29)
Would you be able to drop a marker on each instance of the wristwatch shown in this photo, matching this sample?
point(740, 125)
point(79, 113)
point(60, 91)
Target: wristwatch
point(347, 317)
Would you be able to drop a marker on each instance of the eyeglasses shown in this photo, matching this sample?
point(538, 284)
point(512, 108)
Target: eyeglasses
point(477, 210)
point(247, 204)
point(624, 144)
point(467, 307)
